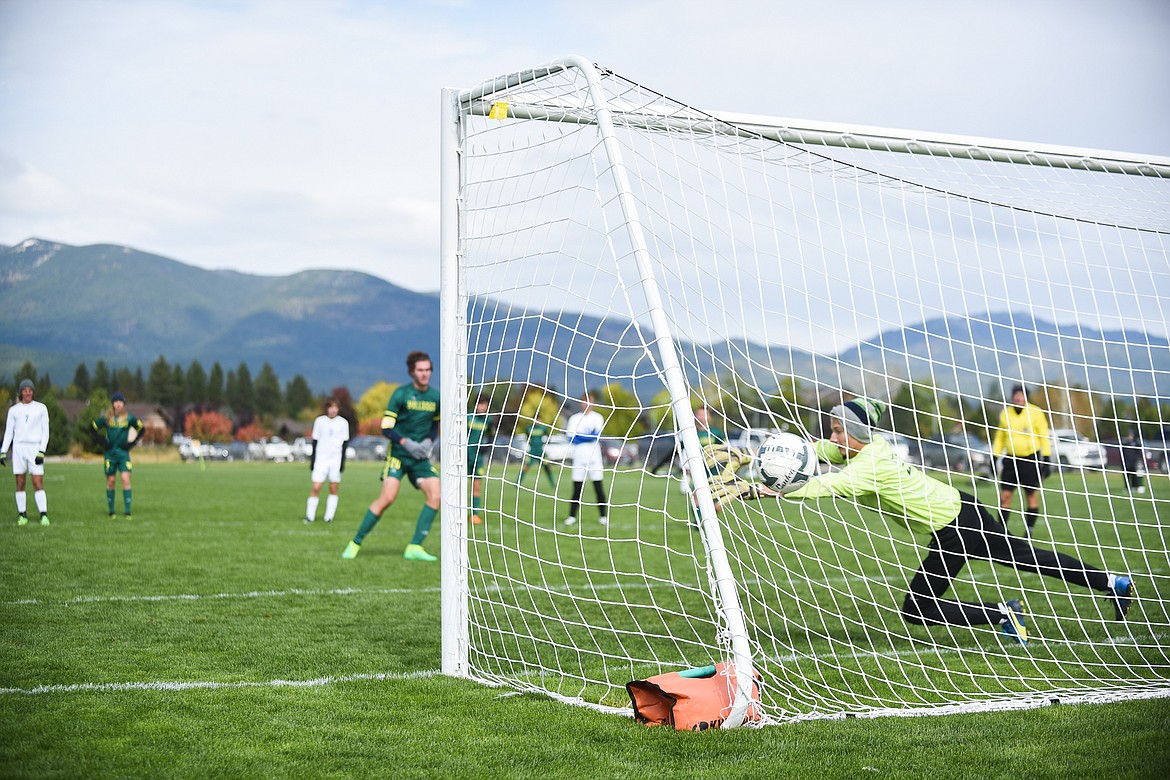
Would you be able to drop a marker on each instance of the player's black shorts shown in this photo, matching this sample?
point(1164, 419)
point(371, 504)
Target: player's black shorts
point(1021, 472)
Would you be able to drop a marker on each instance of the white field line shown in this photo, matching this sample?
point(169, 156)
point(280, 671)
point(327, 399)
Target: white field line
point(208, 685)
point(255, 594)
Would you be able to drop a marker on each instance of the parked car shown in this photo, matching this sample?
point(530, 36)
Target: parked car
point(1071, 449)
point(557, 448)
point(238, 450)
point(964, 452)
point(302, 448)
point(367, 448)
point(619, 452)
point(1153, 455)
point(906, 447)
point(277, 449)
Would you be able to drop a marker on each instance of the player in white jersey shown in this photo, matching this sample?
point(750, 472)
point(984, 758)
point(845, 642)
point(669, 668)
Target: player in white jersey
point(27, 431)
point(584, 434)
point(330, 436)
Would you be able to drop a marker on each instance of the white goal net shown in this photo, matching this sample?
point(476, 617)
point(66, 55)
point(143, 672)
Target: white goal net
point(599, 236)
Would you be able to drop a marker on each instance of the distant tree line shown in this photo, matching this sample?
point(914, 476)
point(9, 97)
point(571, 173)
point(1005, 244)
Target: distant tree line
point(171, 386)
point(247, 403)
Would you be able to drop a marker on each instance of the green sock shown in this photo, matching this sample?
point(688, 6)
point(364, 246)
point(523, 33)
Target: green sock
point(368, 523)
point(126, 499)
point(423, 527)
point(110, 500)
point(476, 505)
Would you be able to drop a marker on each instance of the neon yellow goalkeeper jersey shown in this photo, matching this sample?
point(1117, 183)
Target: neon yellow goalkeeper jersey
point(877, 478)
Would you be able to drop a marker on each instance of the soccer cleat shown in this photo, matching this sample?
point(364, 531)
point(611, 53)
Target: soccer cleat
point(415, 552)
point(475, 520)
point(570, 520)
point(1013, 625)
point(351, 551)
point(604, 520)
point(328, 519)
point(1120, 594)
point(44, 519)
point(22, 520)
point(309, 520)
point(112, 515)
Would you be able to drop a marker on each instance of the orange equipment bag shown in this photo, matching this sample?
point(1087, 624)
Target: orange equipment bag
point(691, 700)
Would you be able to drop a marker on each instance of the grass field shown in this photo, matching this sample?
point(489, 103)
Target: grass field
point(215, 635)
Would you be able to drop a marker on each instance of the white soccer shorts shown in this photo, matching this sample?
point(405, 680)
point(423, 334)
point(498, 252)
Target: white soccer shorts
point(327, 471)
point(24, 457)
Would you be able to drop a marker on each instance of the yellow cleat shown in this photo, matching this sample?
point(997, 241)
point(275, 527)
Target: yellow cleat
point(415, 552)
point(351, 551)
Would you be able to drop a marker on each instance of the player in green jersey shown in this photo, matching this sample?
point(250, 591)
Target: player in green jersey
point(960, 528)
point(117, 432)
point(537, 433)
point(411, 423)
point(479, 436)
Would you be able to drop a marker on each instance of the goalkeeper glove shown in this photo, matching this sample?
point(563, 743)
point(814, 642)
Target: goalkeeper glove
point(741, 489)
point(723, 461)
point(414, 449)
point(1045, 467)
point(3, 458)
point(426, 446)
point(40, 458)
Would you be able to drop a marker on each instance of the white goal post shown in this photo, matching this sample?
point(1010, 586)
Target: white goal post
point(597, 236)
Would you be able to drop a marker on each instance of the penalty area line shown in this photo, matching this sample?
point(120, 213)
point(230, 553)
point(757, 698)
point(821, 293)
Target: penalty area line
point(318, 682)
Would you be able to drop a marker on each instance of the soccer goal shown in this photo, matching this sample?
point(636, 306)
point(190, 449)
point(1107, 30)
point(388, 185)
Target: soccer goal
point(600, 236)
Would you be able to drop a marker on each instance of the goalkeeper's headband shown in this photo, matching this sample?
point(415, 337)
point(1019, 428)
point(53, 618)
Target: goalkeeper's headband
point(859, 417)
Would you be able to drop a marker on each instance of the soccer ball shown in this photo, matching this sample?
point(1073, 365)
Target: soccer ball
point(786, 462)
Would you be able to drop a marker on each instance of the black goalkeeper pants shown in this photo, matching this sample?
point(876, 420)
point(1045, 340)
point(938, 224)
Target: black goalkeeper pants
point(599, 489)
point(976, 534)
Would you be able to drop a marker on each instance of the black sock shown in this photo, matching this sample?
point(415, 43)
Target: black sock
point(1030, 516)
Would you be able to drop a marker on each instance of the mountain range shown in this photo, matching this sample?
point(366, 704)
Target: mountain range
point(62, 305)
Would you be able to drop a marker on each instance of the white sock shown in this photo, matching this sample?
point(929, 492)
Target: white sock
point(330, 507)
point(42, 502)
point(311, 507)
point(604, 520)
point(1112, 580)
point(21, 502)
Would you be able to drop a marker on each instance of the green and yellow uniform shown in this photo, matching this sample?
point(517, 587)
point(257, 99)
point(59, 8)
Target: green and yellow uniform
point(410, 414)
point(537, 433)
point(114, 434)
point(479, 434)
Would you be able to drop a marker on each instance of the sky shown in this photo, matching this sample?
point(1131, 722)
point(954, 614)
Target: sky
point(272, 136)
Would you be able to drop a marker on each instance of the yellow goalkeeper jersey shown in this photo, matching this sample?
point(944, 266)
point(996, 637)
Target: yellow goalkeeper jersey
point(878, 479)
point(1022, 432)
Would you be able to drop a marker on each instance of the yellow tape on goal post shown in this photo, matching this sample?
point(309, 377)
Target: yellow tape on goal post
point(499, 110)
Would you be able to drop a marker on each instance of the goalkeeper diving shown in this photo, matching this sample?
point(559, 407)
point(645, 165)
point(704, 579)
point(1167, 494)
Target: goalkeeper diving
point(959, 527)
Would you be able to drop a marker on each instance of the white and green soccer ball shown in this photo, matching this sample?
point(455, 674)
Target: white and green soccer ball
point(786, 462)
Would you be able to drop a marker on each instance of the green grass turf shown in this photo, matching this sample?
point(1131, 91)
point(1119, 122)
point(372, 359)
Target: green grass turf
point(217, 587)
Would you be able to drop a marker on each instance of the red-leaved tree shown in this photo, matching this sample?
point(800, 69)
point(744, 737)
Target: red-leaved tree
point(208, 426)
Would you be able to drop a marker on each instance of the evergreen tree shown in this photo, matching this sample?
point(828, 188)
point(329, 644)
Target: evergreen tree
point(178, 386)
point(101, 377)
point(158, 383)
point(267, 391)
point(124, 382)
point(196, 384)
point(215, 393)
point(139, 384)
point(245, 397)
point(27, 371)
point(60, 432)
point(298, 396)
point(81, 379)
